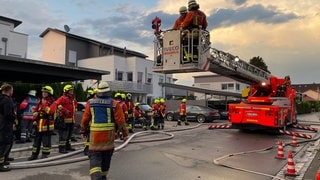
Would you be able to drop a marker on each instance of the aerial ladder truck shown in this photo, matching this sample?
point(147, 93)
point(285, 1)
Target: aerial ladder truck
point(270, 104)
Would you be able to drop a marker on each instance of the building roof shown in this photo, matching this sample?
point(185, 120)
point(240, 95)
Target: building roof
point(305, 87)
point(121, 50)
point(13, 69)
point(14, 21)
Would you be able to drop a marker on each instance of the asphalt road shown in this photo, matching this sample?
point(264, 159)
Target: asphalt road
point(189, 155)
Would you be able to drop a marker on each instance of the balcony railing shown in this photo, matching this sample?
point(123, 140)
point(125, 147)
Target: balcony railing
point(131, 87)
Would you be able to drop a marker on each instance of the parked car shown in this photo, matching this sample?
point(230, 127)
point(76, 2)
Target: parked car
point(197, 113)
point(147, 110)
point(224, 114)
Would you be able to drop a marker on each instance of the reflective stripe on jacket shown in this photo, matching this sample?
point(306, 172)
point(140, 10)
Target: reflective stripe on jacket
point(99, 115)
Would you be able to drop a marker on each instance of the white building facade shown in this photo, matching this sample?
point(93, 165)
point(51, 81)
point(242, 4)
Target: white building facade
point(217, 83)
point(12, 43)
point(130, 71)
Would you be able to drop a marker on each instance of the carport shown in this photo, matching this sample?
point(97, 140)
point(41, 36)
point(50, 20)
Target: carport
point(13, 69)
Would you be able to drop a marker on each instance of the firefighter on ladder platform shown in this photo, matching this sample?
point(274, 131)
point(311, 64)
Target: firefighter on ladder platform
point(130, 106)
point(44, 123)
point(102, 115)
point(183, 112)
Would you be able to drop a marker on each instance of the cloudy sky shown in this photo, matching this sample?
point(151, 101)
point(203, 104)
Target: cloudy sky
point(285, 33)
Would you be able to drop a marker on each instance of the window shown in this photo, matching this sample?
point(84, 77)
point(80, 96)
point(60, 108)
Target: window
point(120, 76)
point(140, 75)
point(237, 87)
point(129, 76)
point(161, 79)
point(149, 78)
point(227, 86)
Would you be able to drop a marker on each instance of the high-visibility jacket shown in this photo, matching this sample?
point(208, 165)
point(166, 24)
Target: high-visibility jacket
point(125, 109)
point(155, 109)
point(102, 116)
point(66, 106)
point(183, 109)
point(130, 106)
point(195, 19)
point(163, 108)
point(27, 107)
point(45, 121)
point(178, 22)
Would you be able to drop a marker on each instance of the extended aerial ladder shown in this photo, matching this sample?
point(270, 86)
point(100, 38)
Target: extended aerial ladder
point(178, 53)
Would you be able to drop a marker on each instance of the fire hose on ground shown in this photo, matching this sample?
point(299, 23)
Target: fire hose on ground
point(217, 160)
point(58, 160)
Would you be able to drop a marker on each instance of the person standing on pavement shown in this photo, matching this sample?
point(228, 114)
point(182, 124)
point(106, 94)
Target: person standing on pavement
point(44, 123)
point(130, 106)
point(7, 117)
point(183, 112)
point(65, 107)
point(102, 115)
point(27, 108)
point(162, 111)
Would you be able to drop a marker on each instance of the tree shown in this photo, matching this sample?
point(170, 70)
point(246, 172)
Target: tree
point(258, 62)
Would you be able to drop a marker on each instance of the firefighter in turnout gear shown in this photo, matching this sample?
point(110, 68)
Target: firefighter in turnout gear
point(27, 107)
point(91, 94)
point(155, 108)
point(44, 123)
point(130, 106)
point(65, 107)
point(183, 112)
point(139, 116)
point(102, 115)
point(162, 110)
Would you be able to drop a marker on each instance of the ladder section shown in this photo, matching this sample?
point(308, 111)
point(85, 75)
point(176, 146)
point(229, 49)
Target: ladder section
point(233, 67)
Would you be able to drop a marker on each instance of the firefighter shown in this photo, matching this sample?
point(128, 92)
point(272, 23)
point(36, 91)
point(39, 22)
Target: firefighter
point(162, 111)
point(183, 12)
point(26, 107)
point(130, 106)
point(139, 116)
point(44, 123)
point(104, 115)
point(66, 107)
point(91, 94)
point(183, 112)
point(155, 108)
point(7, 117)
point(195, 19)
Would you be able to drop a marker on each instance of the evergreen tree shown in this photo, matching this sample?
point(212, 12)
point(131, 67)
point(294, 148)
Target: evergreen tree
point(259, 62)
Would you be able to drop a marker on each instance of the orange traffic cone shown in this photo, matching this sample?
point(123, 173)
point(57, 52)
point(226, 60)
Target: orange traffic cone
point(318, 175)
point(280, 154)
point(294, 141)
point(290, 166)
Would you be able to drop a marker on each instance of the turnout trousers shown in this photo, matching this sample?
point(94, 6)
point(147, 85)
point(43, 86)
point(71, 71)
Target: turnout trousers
point(100, 164)
point(45, 139)
point(65, 133)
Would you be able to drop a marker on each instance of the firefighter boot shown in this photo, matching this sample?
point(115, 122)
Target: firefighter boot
point(179, 122)
point(62, 150)
point(162, 126)
point(32, 157)
point(4, 168)
point(44, 156)
point(86, 150)
point(69, 148)
point(186, 123)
